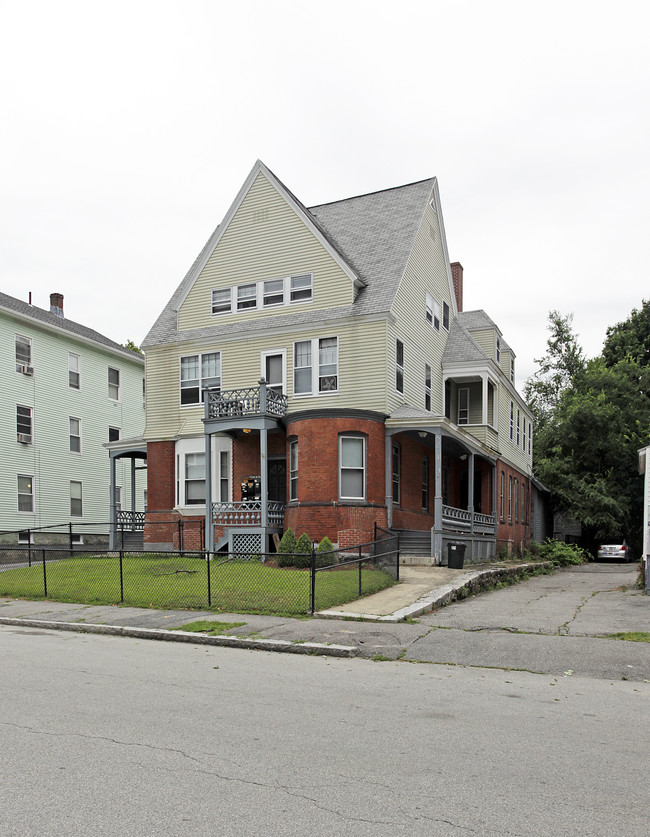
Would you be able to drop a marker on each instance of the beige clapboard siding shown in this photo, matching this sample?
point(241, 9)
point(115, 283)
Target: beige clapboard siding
point(425, 271)
point(360, 345)
point(265, 240)
point(486, 338)
point(509, 449)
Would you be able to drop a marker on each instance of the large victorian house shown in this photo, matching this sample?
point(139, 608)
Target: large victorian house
point(315, 369)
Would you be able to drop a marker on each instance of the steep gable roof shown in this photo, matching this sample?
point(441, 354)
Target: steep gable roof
point(52, 321)
point(370, 236)
point(474, 320)
point(461, 346)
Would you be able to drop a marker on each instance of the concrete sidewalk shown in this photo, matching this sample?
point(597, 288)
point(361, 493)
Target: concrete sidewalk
point(421, 590)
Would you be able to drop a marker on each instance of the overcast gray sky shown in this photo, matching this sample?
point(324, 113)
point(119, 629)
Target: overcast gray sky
point(129, 127)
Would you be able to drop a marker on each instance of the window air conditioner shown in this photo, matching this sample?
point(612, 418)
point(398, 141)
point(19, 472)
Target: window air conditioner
point(28, 370)
point(24, 438)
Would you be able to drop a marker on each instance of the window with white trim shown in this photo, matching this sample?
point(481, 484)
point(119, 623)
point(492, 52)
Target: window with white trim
point(224, 476)
point(25, 493)
point(463, 405)
point(117, 497)
point(273, 370)
point(427, 387)
point(516, 500)
point(222, 301)
point(445, 316)
point(191, 470)
point(397, 472)
point(502, 495)
point(309, 377)
point(301, 287)
point(523, 433)
point(194, 479)
point(273, 292)
point(352, 467)
point(518, 415)
point(498, 350)
point(113, 384)
point(75, 435)
point(74, 371)
point(246, 296)
point(512, 370)
point(293, 469)
point(25, 536)
point(114, 434)
point(510, 499)
point(399, 366)
point(76, 498)
point(197, 373)
point(428, 301)
point(24, 424)
point(530, 437)
point(512, 421)
point(23, 353)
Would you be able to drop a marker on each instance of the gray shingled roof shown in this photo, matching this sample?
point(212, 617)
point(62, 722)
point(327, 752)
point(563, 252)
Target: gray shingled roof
point(461, 346)
point(478, 319)
point(40, 315)
point(373, 233)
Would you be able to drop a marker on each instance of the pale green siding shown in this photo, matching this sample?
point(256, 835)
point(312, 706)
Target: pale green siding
point(509, 449)
point(486, 338)
point(425, 271)
point(49, 459)
point(361, 347)
point(265, 240)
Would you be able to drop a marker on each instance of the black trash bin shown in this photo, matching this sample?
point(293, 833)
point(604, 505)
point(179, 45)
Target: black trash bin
point(456, 555)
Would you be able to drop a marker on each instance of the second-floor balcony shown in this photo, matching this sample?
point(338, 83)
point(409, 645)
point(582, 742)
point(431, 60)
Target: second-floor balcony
point(247, 407)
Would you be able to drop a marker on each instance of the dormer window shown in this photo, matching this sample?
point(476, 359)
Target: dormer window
point(498, 350)
point(512, 370)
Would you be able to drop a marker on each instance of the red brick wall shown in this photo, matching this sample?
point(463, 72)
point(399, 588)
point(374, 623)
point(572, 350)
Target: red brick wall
point(161, 476)
point(409, 514)
point(513, 535)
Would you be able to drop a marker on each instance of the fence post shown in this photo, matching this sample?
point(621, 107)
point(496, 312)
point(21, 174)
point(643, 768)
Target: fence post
point(70, 537)
point(360, 560)
point(313, 579)
point(397, 564)
point(180, 537)
point(207, 563)
point(29, 548)
point(121, 577)
point(44, 576)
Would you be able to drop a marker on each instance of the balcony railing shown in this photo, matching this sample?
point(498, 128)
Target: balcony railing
point(247, 513)
point(250, 401)
point(460, 520)
point(130, 520)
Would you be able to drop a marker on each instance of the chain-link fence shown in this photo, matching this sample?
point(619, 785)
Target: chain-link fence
point(234, 582)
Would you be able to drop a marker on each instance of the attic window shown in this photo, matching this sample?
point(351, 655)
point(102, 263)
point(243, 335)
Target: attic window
point(301, 287)
point(222, 301)
point(445, 315)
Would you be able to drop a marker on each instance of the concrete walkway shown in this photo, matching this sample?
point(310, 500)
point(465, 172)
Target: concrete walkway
point(421, 590)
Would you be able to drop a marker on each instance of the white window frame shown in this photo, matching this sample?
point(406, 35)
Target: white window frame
point(498, 353)
point(31, 494)
point(119, 433)
point(274, 353)
point(445, 316)
point(25, 536)
point(316, 366)
point(221, 482)
point(463, 411)
point(79, 499)
point(72, 371)
point(427, 387)
point(399, 367)
point(512, 421)
point(246, 301)
point(530, 437)
point(512, 370)
point(224, 307)
point(112, 384)
point(293, 470)
point(302, 292)
point(201, 380)
point(117, 497)
point(269, 297)
point(518, 421)
point(21, 433)
point(21, 364)
point(73, 435)
point(428, 308)
point(362, 439)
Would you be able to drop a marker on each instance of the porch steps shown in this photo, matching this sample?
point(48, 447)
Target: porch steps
point(414, 544)
point(132, 540)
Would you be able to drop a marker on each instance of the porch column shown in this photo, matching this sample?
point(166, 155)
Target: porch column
point(436, 532)
point(112, 535)
point(209, 525)
point(388, 448)
point(484, 417)
point(264, 474)
point(133, 493)
point(470, 490)
point(494, 492)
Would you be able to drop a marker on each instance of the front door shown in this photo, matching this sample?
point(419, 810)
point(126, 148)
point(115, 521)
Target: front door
point(278, 480)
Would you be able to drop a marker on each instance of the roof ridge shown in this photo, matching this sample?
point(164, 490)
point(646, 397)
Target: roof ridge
point(374, 192)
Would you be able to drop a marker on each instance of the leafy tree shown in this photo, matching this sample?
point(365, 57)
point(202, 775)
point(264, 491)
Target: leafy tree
point(131, 345)
point(630, 339)
point(559, 369)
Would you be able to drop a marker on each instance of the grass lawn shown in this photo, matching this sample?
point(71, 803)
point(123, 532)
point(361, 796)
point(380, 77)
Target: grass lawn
point(169, 582)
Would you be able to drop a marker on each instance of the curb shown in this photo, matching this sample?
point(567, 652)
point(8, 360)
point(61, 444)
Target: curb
point(313, 648)
point(441, 596)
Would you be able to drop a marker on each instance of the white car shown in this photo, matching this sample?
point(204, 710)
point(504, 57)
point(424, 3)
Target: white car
point(619, 551)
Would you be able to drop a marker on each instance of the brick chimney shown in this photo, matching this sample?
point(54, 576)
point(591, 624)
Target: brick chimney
point(56, 304)
point(457, 276)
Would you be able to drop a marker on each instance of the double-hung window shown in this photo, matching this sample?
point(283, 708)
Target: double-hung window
point(512, 421)
point(432, 312)
point(199, 372)
point(301, 288)
point(113, 384)
point(518, 418)
point(498, 350)
point(352, 467)
point(463, 405)
point(246, 296)
point(530, 437)
point(510, 499)
point(24, 424)
point(502, 495)
point(194, 479)
point(273, 292)
point(23, 353)
point(113, 434)
point(76, 498)
point(399, 366)
point(75, 435)
point(310, 378)
point(222, 301)
point(512, 370)
point(293, 469)
point(427, 387)
point(74, 371)
point(445, 316)
point(429, 308)
point(25, 493)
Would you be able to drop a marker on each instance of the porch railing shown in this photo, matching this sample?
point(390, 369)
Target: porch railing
point(130, 520)
point(251, 401)
point(247, 513)
point(461, 521)
point(484, 524)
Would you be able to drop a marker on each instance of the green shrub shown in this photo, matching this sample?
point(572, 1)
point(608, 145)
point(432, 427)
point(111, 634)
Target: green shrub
point(560, 553)
point(304, 544)
point(287, 542)
point(325, 554)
